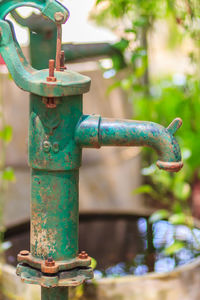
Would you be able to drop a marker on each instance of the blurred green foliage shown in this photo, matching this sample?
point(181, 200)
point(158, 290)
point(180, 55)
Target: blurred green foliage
point(161, 99)
point(6, 173)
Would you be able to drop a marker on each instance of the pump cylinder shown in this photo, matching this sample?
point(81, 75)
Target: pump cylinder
point(55, 159)
point(54, 214)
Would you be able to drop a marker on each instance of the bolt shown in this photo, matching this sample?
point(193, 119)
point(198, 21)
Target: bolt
point(62, 61)
point(83, 255)
point(46, 146)
point(51, 103)
point(24, 252)
point(58, 47)
point(51, 70)
point(49, 262)
point(59, 17)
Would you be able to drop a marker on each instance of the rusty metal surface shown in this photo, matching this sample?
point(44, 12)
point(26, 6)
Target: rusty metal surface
point(51, 77)
point(68, 278)
point(33, 81)
point(46, 266)
point(96, 132)
point(58, 131)
point(58, 49)
point(47, 7)
point(58, 293)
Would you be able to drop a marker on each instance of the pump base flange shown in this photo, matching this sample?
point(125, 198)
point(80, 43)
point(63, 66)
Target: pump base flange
point(39, 264)
point(68, 278)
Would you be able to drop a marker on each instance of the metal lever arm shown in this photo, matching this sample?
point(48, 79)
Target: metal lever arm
point(47, 7)
point(23, 74)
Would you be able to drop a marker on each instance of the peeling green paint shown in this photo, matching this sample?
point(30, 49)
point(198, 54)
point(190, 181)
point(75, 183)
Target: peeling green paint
point(57, 134)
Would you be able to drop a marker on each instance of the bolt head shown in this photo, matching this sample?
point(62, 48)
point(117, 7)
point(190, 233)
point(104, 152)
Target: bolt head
point(24, 252)
point(49, 262)
point(59, 17)
point(83, 255)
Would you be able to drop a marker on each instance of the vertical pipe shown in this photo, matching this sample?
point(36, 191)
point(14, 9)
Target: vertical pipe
point(54, 214)
point(55, 159)
point(58, 293)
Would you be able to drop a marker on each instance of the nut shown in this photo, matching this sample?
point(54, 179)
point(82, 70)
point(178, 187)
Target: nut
point(59, 17)
point(49, 262)
point(83, 255)
point(24, 252)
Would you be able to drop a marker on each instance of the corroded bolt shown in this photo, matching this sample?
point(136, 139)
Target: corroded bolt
point(59, 17)
point(62, 61)
point(49, 262)
point(83, 255)
point(24, 252)
point(51, 103)
point(51, 70)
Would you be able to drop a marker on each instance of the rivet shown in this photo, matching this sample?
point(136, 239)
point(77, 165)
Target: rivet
point(46, 146)
point(55, 147)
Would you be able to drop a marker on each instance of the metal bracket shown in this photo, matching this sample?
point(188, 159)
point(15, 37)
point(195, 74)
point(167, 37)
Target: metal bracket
point(72, 277)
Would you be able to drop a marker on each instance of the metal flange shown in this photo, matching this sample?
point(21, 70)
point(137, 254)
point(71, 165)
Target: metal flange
point(68, 278)
point(52, 267)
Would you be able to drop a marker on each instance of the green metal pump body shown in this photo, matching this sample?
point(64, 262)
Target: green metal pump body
point(58, 131)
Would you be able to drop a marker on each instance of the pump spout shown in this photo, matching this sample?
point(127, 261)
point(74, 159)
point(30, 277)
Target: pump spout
point(94, 132)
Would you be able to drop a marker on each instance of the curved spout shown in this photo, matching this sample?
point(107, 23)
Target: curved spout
point(94, 132)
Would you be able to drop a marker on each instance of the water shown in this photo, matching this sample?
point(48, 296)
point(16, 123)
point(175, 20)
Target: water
point(153, 257)
point(119, 243)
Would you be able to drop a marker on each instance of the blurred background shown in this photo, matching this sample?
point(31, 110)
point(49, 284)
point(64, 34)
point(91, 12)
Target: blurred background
point(143, 59)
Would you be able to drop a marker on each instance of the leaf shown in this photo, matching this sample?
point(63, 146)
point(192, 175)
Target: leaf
point(122, 45)
point(178, 219)
point(144, 189)
point(161, 214)
point(98, 1)
point(182, 190)
point(139, 53)
point(126, 84)
point(6, 134)
point(174, 248)
point(8, 174)
point(113, 86)
point(93, 263)
point(181, 219)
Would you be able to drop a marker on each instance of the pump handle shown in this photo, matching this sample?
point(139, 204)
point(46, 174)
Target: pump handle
point(49, 8)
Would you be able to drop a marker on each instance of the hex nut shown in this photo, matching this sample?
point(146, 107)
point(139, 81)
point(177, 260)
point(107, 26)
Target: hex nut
point(83, 255)
point(24, 252)
point(59, 17)
point(49, 263)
